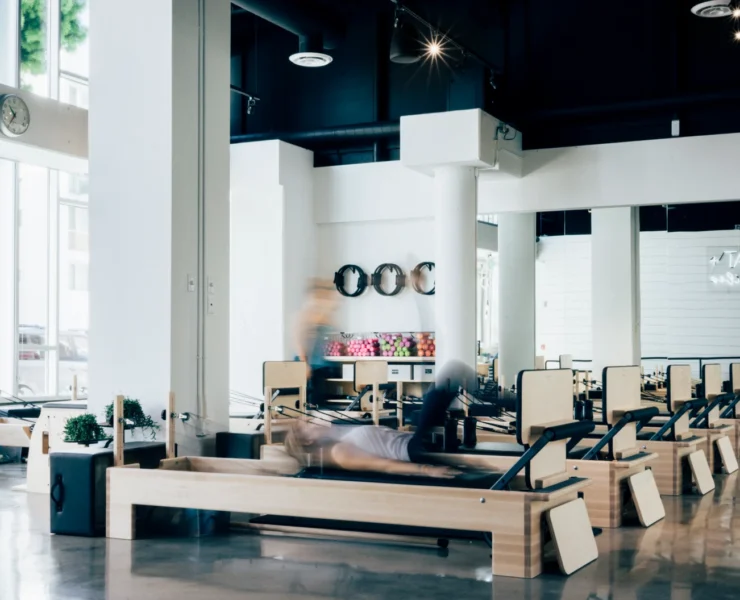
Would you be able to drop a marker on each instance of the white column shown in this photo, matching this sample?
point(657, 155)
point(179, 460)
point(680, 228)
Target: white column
point(455, 273)
point(272, 255)
point(8, 280)
point(517, 254)
point(615, 277)
point(159, 177)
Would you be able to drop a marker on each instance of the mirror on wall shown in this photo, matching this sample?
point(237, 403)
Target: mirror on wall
point(689, 262)
point(690, 285)
point(563, 286)
point(487, 287)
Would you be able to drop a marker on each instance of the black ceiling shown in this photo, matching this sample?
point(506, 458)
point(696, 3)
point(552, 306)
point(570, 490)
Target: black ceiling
point(568, 73)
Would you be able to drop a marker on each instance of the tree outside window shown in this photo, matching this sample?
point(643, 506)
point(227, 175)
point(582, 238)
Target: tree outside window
point(34, 35)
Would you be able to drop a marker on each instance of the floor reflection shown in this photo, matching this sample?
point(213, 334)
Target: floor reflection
point(692, 555)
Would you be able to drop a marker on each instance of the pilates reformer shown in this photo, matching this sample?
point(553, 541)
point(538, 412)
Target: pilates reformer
point(681, 457)
point(729, 406)
point(721, 447)
point(515, 518)
point(612, 460)
point(40, 428)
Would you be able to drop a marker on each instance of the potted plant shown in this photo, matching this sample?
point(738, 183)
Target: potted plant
point(84, 429)
point(134, 417)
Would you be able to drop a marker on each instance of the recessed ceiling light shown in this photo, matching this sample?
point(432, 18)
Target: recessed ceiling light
point(737, 36)
point(712, 9)
point(736, 12)
point(310, 59)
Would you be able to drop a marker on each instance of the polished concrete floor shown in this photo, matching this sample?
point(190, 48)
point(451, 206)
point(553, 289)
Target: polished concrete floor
point(693, 555)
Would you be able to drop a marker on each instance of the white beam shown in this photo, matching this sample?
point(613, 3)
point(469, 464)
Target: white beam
point(670, 171)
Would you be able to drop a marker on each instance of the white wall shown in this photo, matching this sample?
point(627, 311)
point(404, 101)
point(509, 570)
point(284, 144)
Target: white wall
point(564, 296)
point(371, 192)
point(299, 242)
point(405, 242)
point(699, 320)
point(273, 255)
point(680, 314)
point(375, 213)
point(670, 171)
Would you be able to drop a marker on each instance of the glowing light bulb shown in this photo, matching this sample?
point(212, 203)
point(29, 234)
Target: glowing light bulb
point(434, 49)
point(736, 12)
point(737, 36)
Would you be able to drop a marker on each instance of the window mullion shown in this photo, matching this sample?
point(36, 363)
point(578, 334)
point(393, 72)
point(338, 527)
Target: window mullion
point(53, 287)
point(54, 39)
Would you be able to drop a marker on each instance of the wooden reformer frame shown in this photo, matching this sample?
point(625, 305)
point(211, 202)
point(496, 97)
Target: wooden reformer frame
point(516, 519)
point(623, 474)
point(720, 443)
point(730, 414)
point(280, 376)
point(681, 458)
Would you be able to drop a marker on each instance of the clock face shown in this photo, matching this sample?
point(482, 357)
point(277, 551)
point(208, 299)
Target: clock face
point(14, 115)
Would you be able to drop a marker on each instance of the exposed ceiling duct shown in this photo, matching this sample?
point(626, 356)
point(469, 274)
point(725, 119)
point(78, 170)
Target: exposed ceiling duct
point(317, 29)
point(363, 132)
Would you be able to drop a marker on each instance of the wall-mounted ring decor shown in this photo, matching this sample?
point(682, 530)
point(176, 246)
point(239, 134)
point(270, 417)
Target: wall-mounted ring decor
point(377, 279)
point(361, 281)
point(416, 278)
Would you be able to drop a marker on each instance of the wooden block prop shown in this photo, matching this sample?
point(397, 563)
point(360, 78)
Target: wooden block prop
point(495, 370)
point(646, 497)
point(735, 378)
point(544, 397)
point(702, 474)
point(572, 535)
point(539, 363)
point(727, 454)
point(679, 391)
point(621, 394)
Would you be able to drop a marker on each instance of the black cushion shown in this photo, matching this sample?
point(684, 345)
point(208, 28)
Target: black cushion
point(239, 445)
point(469, 479)
point(27, 412)
point(77, 495)
point(428, 532)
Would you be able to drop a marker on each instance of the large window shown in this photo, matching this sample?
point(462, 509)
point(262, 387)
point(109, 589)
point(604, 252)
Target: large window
point(54, 52)
point(44, 252)
point(52, 296)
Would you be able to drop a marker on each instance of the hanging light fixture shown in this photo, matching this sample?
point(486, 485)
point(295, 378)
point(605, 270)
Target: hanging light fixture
point(409, 46)
point(405, 48)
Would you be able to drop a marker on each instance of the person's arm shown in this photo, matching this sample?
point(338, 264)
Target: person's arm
point(350, 458)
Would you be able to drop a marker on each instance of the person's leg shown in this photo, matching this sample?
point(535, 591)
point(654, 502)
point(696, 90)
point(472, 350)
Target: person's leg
point(436, 403)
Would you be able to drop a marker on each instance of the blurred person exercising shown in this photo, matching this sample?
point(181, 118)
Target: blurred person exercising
point(315, 323)
point(382, 449)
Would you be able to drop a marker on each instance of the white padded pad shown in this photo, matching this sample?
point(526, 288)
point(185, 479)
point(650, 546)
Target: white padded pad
point(572, 535)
